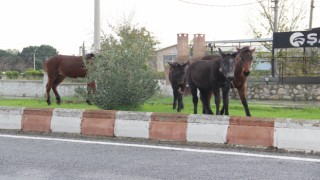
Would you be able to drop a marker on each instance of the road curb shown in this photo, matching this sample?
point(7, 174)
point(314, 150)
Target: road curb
point(286, 134)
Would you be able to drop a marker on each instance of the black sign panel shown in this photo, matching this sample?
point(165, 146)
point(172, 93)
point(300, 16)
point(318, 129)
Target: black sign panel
point(296, 39)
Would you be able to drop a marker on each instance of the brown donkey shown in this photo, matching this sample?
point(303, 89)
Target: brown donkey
point(59, 67)
point(242, 71)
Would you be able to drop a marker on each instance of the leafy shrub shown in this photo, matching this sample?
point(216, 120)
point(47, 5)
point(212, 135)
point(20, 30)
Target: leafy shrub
point(33, 74)
point(124, 80)
point(12, 74)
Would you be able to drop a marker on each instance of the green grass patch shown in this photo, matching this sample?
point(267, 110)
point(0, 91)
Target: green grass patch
point(67, 103)
point(257, 109)
point(164, 104)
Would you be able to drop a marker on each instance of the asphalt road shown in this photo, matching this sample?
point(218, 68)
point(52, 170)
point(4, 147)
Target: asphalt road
point(45, 157)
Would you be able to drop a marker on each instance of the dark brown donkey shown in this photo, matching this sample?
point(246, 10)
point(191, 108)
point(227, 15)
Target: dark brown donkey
point(208, 77)
point(176, 74)
point(242, 71)
point(59, 67)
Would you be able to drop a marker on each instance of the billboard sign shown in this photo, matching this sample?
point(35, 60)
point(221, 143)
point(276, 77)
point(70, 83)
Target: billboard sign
point(296, 39)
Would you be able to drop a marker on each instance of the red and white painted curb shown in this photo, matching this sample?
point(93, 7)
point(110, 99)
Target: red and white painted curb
point(287, 134)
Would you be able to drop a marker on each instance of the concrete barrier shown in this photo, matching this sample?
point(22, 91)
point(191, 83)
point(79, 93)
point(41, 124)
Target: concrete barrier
point(36, 120)
point(207, 128)
point(66, 120)
point(132, 124)
point(172, 127)
point(98, 122)
point(287, 134)
point(10, 118)
point(250, 131)
point(292, 134)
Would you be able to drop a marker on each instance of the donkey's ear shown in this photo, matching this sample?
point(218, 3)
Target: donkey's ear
point(171, 64)
point(238, 49)
point(186, 63)
point(89, 56)
point(252, 51)
point(234, 54)
point(221, 53)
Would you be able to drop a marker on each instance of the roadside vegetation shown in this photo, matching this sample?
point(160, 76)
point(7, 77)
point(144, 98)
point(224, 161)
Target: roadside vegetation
point(164, 104)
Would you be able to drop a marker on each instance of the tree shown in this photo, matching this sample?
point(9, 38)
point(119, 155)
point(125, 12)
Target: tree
point(41, 53)
point(291, 17)
point(15, 52)
point(124, 79)
point(10, 61)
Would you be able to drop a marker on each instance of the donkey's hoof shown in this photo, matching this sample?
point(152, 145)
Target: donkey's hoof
point(88, 102)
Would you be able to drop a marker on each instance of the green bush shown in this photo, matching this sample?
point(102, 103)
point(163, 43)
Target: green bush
point(124, 81)
point(33, 74)
point(12, 74)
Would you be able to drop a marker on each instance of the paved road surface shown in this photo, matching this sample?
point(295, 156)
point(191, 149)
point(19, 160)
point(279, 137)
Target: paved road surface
point(34, 157)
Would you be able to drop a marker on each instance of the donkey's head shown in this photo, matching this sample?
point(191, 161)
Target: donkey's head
point(245, 58)
point(177, 71)
point(228, 64)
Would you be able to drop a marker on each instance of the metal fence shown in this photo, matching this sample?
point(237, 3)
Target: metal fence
point(299, 66)
point(288, 70)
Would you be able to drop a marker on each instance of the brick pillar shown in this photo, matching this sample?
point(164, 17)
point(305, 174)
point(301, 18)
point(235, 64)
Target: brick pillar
point(182, 47)
point(199, 46)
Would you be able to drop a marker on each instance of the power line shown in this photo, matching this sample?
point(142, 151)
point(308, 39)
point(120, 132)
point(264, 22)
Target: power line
point(216, 5)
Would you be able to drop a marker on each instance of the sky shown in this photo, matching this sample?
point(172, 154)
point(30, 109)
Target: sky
point(66, 24)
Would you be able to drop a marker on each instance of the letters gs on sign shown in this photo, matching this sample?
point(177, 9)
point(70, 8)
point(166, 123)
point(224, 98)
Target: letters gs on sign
point(296, 39)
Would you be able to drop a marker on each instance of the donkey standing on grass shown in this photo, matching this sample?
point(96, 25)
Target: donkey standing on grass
point(209, 77)
point(59, 67)
point(176, 76)
point(242, 71)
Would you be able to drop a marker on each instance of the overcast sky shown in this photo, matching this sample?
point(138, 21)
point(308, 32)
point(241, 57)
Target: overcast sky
point(66, 24)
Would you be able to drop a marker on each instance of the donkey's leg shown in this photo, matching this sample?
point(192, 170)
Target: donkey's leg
point(202, 99)
point(242, 94)
point(206, 96)
point(209, 94)
point(91, 88)
point(222, 110)
point(180, 103)
point(225, 96)
point(175, 96)
point(181, 92)
point(194, 93)
point(48, 88)
point(179, 98)
point(55, 84)
point(217, 97)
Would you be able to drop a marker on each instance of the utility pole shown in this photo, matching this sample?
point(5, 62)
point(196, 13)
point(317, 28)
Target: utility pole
point(311, 14)
point(275, 21)
point(275, 29)
point(97, 29)
point(34, 59)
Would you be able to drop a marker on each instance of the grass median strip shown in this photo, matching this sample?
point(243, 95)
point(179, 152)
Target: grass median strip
point(267, 109)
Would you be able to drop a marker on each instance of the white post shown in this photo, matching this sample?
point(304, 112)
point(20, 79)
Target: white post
point(311, 14)
point(97, 26)
point(44, 83)
point(34, 60)
point(275, 22)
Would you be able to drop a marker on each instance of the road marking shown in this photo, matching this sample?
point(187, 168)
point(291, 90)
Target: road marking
point(162, 148)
